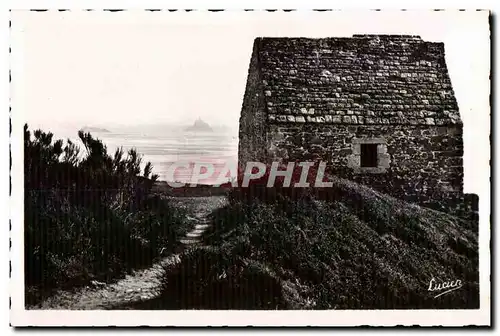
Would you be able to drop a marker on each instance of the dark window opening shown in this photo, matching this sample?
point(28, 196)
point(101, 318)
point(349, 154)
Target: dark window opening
point(369, 157)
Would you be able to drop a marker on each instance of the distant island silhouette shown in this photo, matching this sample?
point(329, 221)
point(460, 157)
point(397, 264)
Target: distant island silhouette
point(94, 129)
point(199, 126)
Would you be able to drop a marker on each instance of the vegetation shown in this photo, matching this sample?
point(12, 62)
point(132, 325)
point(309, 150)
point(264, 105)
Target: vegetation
point(88, 215)
point(344, 247)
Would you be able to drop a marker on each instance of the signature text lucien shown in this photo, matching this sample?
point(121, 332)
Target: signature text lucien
point(446, 286)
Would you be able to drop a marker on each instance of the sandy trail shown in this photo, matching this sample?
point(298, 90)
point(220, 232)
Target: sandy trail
point(143, 284)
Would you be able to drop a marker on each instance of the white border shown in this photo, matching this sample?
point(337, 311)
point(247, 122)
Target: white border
point(252, 318)
point(21, 317)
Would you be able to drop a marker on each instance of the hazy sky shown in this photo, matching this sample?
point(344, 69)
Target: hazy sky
point(138, 67)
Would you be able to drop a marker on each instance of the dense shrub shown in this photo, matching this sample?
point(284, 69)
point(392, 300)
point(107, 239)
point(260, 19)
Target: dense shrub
point(219, 279)
point(89, 215)
point(346, 248)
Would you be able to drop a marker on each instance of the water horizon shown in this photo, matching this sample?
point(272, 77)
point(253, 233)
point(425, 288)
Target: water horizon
point(163, 148)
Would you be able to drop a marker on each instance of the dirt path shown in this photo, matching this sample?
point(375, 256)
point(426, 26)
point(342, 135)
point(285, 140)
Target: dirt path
point(144, 284)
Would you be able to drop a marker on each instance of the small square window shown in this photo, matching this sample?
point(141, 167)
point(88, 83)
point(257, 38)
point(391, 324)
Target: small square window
point(369, 156)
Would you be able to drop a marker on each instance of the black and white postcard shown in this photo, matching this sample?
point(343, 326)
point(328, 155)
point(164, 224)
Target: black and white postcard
point(250, 167)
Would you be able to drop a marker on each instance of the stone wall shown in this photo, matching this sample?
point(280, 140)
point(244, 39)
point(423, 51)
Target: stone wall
point(425, 162)
point(253, 127)
point(369, 80)
point(320, 99)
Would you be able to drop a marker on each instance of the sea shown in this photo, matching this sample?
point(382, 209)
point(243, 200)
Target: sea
point(163, 147)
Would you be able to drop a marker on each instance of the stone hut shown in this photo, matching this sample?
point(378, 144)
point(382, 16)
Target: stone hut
point(378, 109)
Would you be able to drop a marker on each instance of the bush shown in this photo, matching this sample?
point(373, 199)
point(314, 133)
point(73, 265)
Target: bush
point(219, 279)
point(347, 248)
point(89, 215)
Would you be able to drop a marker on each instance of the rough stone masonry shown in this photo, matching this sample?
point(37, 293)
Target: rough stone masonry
point(379, 109)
